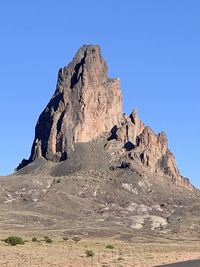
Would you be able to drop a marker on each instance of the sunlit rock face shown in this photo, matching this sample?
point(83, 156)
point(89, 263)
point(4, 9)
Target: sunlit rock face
point(85, 104)
point(146, 147)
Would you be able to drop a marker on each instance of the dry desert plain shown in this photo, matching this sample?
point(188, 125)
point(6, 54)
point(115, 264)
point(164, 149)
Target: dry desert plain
point(67, 253)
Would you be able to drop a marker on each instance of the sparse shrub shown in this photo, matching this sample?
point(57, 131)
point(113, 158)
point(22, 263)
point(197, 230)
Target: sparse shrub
point(89, 253)
point(76, 239)
point(110, 246)
point(65, 238)
point(34, 239)
point(14, 240)
point(47, 239)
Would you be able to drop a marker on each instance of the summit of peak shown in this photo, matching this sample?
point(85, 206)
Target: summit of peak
point(86, 103)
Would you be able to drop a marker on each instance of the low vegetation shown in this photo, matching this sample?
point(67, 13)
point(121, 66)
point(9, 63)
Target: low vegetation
point(76, 239)
point(89, 253)
point(47, 239)
point(110, 246)
point(14, 240)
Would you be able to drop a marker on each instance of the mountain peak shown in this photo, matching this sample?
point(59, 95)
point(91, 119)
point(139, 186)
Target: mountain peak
point(85, 104)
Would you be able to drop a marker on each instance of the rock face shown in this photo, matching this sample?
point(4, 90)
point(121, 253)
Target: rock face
point(130, 128)
point(85, 104)
point(148, 148)
point(152, 150)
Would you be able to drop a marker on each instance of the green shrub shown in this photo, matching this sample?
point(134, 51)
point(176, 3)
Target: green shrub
point(47, 239)
point(89, 253)
point(14, 240)
point(34, 239)
point(110, 246)
point(76, 239)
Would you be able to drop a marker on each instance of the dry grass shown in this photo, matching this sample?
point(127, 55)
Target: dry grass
point(69, 254)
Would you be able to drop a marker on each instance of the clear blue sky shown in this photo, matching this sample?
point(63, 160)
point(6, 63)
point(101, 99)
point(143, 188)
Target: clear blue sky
point(152, 45)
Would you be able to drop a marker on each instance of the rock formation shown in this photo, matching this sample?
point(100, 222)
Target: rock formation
point(87, 103)
point(130, 128)
point(148, 148)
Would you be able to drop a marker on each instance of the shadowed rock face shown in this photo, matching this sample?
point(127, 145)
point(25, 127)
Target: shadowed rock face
point(85, 104)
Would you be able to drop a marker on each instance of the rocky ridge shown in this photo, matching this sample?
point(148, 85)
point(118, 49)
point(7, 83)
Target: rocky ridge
point(140, 143)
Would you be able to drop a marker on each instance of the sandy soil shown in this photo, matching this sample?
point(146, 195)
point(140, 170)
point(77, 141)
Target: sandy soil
point(69, 254)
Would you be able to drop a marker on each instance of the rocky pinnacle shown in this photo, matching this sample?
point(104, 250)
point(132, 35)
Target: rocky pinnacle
point(87, 103)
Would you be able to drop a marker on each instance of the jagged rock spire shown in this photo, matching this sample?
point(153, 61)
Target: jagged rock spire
point(85, 104)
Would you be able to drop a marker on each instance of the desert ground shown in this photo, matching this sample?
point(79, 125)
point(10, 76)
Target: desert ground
point(67, 253)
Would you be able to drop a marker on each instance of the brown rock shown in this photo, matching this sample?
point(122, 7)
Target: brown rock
point(147, 147)
point(85, 104)
point(130, 128)
point(152, 149)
